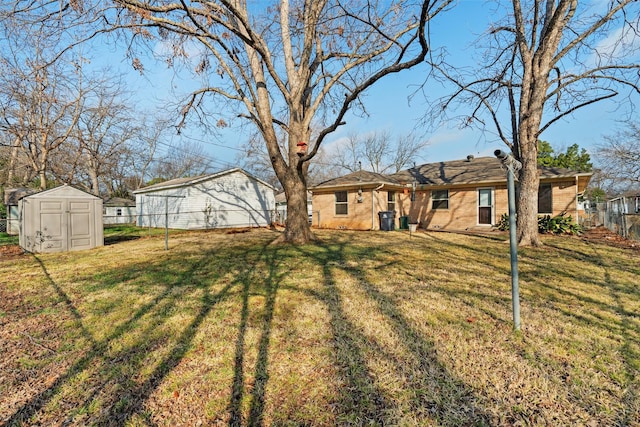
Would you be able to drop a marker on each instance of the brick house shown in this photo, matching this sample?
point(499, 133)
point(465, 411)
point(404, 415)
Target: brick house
point(453, 195)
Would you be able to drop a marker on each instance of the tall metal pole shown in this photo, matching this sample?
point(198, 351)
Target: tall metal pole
point(166, 223)
point(166, 216)
point(512, 166)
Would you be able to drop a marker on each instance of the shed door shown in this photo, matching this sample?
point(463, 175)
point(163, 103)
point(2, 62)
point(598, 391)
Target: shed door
point(80, 220)
point(51, 235)
point(66, 225)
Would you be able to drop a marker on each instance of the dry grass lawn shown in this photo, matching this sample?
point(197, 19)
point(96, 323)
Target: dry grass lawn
point(358, 328)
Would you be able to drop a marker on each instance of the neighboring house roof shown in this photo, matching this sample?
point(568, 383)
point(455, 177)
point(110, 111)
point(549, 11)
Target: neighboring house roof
point(450, 173)
point(119, 202)
point(12, 195)
point(361, 178)
point(185, 182)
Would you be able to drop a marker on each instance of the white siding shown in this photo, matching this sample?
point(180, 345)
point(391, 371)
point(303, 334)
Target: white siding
point(151, 208)
point(127, 215)
point(225, 201)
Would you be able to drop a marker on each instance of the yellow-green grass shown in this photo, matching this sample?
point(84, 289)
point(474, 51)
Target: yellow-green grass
point(6, 239)
point(357, 328)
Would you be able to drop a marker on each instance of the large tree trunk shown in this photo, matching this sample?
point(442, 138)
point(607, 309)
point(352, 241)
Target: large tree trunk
point(93, 174)
point(13, 162)
point(297, 229)
point(43, 179)
point(527, 201)
point(294, 182)
point(527, 154)
point(537, 63)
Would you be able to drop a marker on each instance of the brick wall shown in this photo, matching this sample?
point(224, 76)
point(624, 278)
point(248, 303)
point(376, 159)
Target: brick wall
point(564, 198)
point(359, 213)
point(462, 212)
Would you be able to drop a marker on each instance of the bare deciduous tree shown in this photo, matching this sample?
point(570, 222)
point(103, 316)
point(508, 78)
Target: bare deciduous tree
point(545, 60)
point(181, 159)
point(40, 98)
point(105, 127)
point(131, 170)
point(619, 158)
point(379, 152)
point(286, 67)
point(255, 159)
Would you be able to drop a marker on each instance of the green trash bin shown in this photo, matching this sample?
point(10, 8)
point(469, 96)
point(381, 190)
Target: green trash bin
point(404, 223)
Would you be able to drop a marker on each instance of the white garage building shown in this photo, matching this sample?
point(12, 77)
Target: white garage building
point(228, 199)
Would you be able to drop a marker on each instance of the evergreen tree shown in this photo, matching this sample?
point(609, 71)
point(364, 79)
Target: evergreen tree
point(573, 158)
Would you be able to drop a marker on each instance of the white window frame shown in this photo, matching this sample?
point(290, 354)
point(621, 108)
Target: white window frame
point(433, 199)
point(344, 203)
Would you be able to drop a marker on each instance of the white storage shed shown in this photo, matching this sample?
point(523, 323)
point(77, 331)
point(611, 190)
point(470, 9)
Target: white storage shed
point(60, 219)
point(229, 199)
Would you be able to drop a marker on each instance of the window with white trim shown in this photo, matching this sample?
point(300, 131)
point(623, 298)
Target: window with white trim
point(391, 201)
point(439, 199)
point(342, 205)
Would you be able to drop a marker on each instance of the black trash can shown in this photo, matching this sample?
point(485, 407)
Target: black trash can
point(404, 222)
point(387, 220)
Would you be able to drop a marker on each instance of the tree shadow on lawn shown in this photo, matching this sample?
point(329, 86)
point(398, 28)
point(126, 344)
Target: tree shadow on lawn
point(562, 256)
point(110, 375)
point(495, 292)
point(433, 393)
point(261, 376)
point(114, 239)
point(436, 394)
point(626, 322)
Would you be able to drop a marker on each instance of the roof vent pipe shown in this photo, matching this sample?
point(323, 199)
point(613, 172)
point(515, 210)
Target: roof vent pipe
point(470, 158)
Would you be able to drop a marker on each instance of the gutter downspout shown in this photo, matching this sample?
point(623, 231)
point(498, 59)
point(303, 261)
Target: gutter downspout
point(373, 216)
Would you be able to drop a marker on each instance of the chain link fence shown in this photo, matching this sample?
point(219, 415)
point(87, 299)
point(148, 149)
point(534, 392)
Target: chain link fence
point(621, 215)
point(208, 219)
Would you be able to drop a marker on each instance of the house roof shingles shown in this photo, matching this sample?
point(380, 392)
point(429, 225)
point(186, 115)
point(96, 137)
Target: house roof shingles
point(118, 202)
point(457, 172)
point(363, 178)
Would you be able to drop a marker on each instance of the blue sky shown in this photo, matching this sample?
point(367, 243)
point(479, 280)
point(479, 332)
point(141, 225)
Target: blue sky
point(456, 30)
point(388, 105)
